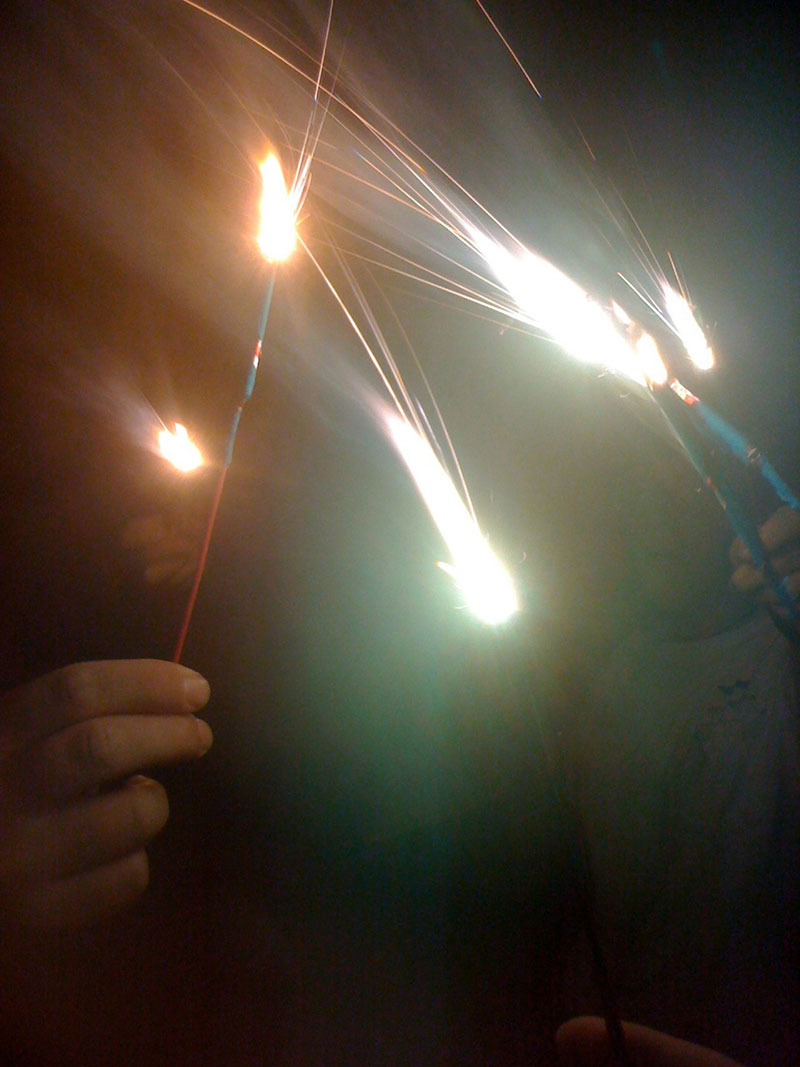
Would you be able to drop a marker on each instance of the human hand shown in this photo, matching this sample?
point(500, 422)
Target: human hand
point(583, 1042)
point(780, 536)
point(75, 813)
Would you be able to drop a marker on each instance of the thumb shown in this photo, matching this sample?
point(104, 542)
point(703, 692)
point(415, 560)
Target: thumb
point(583, 1042)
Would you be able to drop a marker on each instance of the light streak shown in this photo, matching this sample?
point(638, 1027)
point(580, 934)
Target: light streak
point(687, 328)
point(480, 576)
point(484, 582)
point(178, 448)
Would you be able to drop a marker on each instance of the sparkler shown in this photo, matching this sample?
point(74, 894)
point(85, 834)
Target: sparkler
point(535, 293)
point(721, 431)
point(544, 297)
point(483, 580)
point(178, 449)
point(688, 328)
point(276, 239)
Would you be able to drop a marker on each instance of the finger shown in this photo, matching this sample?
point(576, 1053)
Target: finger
point(77, 760)
point(751, 580)
point(583, 1042)
point(91, 833)
point(747, 578)
point(782, 528)
point(786, 562)
point(105, 687)
point(91, 896)
point(769, 595)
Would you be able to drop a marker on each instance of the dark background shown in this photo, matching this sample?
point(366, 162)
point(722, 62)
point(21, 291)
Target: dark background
point(369, 866)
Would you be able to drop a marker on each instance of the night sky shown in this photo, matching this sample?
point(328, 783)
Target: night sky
point(350, 692)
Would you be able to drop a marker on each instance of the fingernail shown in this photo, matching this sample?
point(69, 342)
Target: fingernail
point(196, 691)
point(205, 736)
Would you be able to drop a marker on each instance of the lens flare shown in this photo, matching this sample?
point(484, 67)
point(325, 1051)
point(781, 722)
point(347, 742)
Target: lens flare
point(178, 449)
point(483, 580)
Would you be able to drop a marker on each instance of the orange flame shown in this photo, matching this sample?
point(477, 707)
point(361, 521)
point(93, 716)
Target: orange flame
point(178, 449)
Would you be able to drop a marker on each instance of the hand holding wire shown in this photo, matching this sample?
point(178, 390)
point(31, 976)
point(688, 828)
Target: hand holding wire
point(75, 812)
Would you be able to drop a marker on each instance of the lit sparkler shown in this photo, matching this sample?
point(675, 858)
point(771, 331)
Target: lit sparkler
point(547, 299)
point(483, 580)
point(688, 328)
point(178, 448)
point(276, 239)
point(527, 287)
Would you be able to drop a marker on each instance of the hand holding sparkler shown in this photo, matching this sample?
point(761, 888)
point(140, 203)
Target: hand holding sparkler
point(76, 814)
point(780, 536)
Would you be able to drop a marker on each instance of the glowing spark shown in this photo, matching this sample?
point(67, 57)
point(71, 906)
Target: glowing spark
point(279, 206)
point(483, 580)
point(688, 329)
point(179, 450)
point(549, 300)
point(652, 365)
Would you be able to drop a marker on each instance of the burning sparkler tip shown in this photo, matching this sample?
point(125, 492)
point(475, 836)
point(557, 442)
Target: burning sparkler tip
point(279, 206)
point(482, 579)
point(178, 449)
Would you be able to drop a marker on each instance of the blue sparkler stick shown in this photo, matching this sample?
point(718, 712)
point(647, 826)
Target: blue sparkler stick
point(250, 381)
point(740, 447)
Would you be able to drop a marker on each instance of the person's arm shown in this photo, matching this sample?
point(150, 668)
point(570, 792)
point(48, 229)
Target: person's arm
point(76, 814)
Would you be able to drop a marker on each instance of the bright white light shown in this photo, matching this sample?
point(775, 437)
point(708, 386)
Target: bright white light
point(550, 301)
point(277, 236)
point(688, 329)
point(177, 449)
point(483, 580)
point(650, 362)
point(653, 366)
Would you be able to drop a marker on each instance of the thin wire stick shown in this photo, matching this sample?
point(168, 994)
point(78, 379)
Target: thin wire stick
point(248, 390)
point(201, 566)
